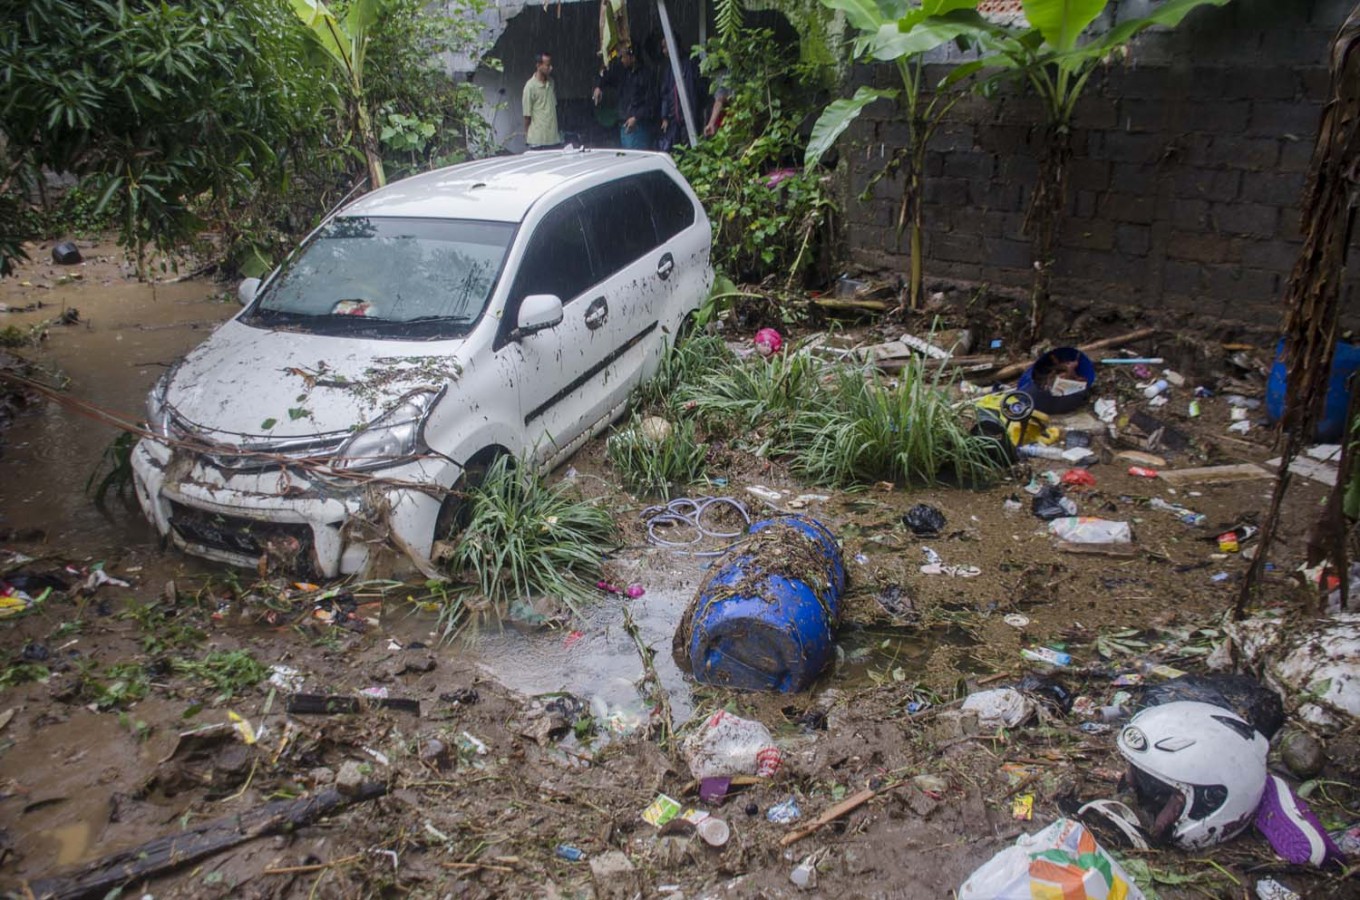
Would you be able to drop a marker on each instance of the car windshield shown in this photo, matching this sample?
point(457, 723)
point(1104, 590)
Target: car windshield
point(388, 277)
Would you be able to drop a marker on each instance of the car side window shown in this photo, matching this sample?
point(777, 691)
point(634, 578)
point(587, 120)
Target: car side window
point(557, 259)
point(620, 221)
point(672, 210)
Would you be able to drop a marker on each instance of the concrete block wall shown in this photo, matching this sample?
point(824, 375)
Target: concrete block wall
point(1185, 185)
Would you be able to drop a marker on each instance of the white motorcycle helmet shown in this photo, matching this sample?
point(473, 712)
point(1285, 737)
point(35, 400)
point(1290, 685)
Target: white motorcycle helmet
point(1199, 768)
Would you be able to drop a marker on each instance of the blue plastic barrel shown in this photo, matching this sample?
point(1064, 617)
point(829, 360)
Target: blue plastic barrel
point(765, 619)
point(1333, 422)
point(1058, 358)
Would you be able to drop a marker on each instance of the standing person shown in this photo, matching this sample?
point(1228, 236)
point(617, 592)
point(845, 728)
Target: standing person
point(540, 106)
point(636, 99)
point(672, 130)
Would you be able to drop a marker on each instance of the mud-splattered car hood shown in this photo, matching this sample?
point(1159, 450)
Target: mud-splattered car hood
point(261, 385)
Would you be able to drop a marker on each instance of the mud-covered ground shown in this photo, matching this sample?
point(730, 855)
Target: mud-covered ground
point(485, 782)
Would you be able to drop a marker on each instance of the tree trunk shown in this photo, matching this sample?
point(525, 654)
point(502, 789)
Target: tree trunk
point(1313, 297)
point(364, 127)
point(1044, 219)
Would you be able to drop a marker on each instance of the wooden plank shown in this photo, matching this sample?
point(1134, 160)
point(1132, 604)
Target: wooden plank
point(1216, 474)
point(1322, 473)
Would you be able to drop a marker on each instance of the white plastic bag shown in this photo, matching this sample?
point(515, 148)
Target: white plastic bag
point(1000, 707)
point(729, 745)
point(1089, 530)
point(1062, 860)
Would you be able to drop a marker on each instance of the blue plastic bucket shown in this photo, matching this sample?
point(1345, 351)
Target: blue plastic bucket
point(765, 619)
point(1333, 422)
point(1058, 357)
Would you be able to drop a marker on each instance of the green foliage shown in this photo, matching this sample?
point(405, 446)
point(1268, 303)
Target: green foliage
point(114, 469)
point(227, 672)
point(686, 363)
point(155, 105)
point(860, 431)
point(762, 227)
point(743, 394)
point(523, 539)
point(19, 673)
point(660, 462)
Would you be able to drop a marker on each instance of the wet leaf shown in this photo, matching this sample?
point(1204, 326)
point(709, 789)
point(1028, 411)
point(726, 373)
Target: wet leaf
point(298, 412)
point(268, 423)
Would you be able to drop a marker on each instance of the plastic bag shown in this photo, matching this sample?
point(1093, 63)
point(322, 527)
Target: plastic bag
point(1063, 860)
point(1089, 530)
point(729, 745)
point(1050, 503)
point(1000, 707)
point(924, 520)
point(1257, 704)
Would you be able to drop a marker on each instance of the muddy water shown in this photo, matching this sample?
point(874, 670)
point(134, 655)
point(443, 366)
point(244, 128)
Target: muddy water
point(128, 332)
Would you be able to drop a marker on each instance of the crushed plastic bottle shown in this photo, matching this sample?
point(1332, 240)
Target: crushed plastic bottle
point(1188, 516)
point(729, 745)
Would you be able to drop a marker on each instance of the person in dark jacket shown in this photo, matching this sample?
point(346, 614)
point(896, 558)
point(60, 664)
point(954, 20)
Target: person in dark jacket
point(672, 111)
point(636, 102)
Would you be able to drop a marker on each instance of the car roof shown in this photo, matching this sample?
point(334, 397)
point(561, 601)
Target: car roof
point(499, 189)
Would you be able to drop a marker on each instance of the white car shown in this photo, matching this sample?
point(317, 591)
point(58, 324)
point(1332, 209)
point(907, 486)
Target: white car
point(505, 306)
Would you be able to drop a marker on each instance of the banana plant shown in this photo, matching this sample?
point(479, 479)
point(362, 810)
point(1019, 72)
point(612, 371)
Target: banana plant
point(1057, 56)
point(345, 44)
point(901, 32)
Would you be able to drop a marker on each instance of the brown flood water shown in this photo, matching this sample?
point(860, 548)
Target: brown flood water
point(127, 334)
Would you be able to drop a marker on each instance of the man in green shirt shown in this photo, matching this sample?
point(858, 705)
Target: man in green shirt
point(540, 106)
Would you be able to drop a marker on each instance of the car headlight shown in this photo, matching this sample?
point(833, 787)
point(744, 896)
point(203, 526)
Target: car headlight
point(396, 435)
point(157, 413)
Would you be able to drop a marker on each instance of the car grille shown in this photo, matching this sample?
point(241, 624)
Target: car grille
point(244, 536)
point(254, 457)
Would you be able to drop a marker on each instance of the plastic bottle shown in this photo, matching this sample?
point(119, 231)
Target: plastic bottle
point(1040, 451)
point(1047, 655)
point(1157, 387)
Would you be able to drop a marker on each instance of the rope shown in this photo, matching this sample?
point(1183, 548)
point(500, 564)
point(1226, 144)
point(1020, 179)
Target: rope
point(689, 513)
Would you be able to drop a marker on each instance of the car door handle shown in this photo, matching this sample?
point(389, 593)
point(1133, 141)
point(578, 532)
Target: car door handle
point(596, 313)
point(666, 266)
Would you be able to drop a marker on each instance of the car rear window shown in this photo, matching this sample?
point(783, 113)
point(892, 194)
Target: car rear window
point(389, 276)
point(672, 210)
point(619, 218)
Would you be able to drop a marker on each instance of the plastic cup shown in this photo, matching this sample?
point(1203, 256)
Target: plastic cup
point(714, 831)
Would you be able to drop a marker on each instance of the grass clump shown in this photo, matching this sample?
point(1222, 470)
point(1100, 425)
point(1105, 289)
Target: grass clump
point(860, 430)
point(740, 394)
point(524, 538)
point(683, 364)
point(655, 457)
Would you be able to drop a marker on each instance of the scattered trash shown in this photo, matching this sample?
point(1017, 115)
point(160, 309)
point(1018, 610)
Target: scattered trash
point(1016, 620)
point(1292, 829)
point(1078, 478)
point(768, 342)
point(895, 601)
point(924, 520)
point(1047, 655)
point(1270, 889)
point(1050, 503)
point(1250, 700)
point(66, 254)
point(1106, 410)
point(728, 745)
point(286, 678)
point(1000, 708)
point(1090, 530)
point(1059, 381)
point(331, 704)
point(661, 810)
point(764, 493)
point(804, 875)
point(713, 831)
point(1187, 516)
point(764, 618)
point(569, 853)
point(1142, 472)
point(785, 813)
point(1315, 661)
point(1112, 814)
point(713, 791)
point(1022, 807)
point(1183, 750)
point(1062, 860)
point(1157, 387)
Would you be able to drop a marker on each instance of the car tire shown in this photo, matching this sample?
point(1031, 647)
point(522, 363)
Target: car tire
point(455, 512)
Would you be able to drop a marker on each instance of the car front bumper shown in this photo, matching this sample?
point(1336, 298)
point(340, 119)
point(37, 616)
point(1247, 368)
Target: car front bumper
point(312, 524)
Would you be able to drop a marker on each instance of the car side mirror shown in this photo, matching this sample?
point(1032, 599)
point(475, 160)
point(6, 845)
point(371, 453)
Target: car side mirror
point(538, 312)
point(247, 290)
